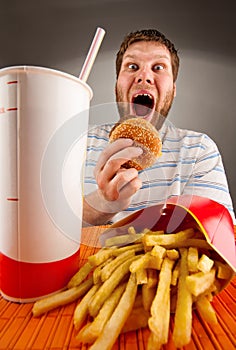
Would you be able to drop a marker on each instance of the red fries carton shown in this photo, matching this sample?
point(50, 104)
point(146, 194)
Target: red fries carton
point(181, 212)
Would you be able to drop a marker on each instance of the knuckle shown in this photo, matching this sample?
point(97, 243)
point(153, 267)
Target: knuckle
point(112, 163)
point(106, 152)
point(110, 195)
point(101, 182)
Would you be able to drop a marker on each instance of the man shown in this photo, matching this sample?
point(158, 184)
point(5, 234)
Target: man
point(147, 67)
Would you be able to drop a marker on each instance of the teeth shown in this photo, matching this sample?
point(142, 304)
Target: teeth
point(146, 95)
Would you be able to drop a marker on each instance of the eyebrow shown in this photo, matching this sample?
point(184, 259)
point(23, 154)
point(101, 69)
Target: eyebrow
point(129, 56)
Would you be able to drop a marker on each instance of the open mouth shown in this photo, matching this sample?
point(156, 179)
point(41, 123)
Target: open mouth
point(143, 104)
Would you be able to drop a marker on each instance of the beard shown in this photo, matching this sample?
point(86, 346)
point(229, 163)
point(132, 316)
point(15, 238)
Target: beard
point(163, 110)
point(168, 100)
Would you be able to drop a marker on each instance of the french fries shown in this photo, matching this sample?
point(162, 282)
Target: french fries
point(205, 263)
point(199, 282)
point(80, 275)
point(121, 289)
point(117, 321)
point(123, 239)
point(108, 286)
point(183, 312)
point(172, 238)
point(81, 310)
point(65, 297)
point(90, 332)
point(160, 308)
point(206, 310)
point(148, 295)
point(192, 259)
point(108, 269)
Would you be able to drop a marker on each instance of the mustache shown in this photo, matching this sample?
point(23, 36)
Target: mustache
point(143, 87)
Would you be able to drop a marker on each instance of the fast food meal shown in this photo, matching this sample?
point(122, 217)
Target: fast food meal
point(144, 135)
point(122, 289)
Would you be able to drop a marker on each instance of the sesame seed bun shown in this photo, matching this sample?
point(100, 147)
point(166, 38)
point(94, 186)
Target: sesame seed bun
point(144, 135)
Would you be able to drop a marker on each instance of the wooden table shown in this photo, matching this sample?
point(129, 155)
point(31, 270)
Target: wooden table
point(54, 331)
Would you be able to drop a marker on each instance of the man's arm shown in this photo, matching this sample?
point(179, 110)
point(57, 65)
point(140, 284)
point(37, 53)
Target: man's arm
point(92, 216)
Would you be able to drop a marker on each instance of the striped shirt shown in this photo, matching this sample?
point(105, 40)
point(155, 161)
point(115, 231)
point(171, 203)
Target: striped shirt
point(190, 164)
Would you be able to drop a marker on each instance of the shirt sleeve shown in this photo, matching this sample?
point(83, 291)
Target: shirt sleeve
point(208, 177)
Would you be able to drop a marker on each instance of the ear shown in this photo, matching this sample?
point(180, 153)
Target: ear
point(174, 87)
point(115, 88)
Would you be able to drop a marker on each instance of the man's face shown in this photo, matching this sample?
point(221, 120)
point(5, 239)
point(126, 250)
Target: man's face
point(145, 82)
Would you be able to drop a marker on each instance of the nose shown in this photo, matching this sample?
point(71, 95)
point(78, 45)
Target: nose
point(145, 77)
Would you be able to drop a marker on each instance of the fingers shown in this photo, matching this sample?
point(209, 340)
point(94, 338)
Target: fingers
point(110, 177)
point(130, 188)
point(116, 185)
point(111, 201)
point(115, 200)
point(115, 162)
point(110, 150)
point(125, 182)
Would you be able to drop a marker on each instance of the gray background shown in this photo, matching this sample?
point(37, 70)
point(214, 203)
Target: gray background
point(58, 33)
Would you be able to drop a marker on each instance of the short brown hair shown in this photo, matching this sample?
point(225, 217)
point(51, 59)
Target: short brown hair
point(148, 35)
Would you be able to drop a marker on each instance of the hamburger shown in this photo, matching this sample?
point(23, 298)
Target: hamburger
point(144, 135)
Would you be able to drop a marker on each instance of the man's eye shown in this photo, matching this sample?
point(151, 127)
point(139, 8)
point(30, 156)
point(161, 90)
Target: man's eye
point(158, 67)
point(133, 66)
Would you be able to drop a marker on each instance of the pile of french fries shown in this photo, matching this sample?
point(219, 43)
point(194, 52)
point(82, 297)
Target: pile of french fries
point(121, 289)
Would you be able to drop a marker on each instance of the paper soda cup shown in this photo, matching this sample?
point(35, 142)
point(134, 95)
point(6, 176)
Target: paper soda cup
point(43, 131)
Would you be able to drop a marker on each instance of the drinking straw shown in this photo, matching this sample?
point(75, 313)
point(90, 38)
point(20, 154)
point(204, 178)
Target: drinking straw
point(88, 63)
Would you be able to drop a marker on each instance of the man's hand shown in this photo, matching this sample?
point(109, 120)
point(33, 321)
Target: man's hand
point(116, 185)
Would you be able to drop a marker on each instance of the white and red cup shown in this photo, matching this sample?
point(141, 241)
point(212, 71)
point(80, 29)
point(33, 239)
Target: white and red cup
point(43, 131)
